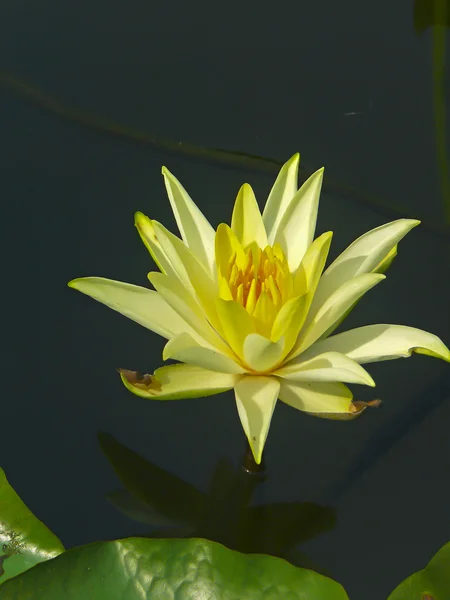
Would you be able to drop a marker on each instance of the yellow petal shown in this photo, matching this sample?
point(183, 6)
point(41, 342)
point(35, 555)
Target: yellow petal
point(364, 255)
point(246, 222)
point(176, 382)
point(147, 233)
point(320, 399)
point(188, 350)
point(334, 307)
point(375, 343)
point(176, 296)
point(189, 270)
point(227, 246)
point(260, 354)
point(264, 314)
point(387, 260)
point(146, 307)
point(236, 324)
point(307, 276)
point(289, 321)
point(283, 190)
point(195, 229)
point(256, 397)
point(326, 367)
point(296, 230)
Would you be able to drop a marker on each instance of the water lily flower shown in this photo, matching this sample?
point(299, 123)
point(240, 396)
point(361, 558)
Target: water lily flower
point(250, 307)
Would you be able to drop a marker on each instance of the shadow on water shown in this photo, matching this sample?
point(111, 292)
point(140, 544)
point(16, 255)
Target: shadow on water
point(393, 434)
point(173, 508)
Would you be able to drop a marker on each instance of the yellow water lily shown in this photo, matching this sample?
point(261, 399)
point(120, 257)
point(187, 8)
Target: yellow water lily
point(250, 307)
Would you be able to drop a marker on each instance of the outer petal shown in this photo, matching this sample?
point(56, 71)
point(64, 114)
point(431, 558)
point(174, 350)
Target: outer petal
point(284, 189)
point(260, 354)
point(146, 307)
point(246, 222)
point(147, 233)
point(187, 350)
point(321, 399)
point(174, 293)
point(387, 260)
point(195, 229)
point(189, 270)
point(296, 230)
point(366, 254)
point(333, 308)
point(176, 382)
point(329, 367)
point(256, 397)
point(375, 343)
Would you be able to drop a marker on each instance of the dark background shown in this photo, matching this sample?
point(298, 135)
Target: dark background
point(263, 78)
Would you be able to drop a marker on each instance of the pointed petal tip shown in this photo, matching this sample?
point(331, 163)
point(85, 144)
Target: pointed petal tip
point(167, 174)
point(258, 455)
point(139, 218)
point(295, 158)
point(441, 352)
point(77, 283)
point(327, 235)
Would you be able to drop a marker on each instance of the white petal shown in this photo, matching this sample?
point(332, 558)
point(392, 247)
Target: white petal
point(333, 308)
point(362, 256)
point(146, 307)
point(329, 366)
point(186, 349)
point(194, 227)
point(283, 190)
point(176, 382)
point(296, 229)
point(256, 397)
point(260, 354)
point(316, 398)
point(375, 343)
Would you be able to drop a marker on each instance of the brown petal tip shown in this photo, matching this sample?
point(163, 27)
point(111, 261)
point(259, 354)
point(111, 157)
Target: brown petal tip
point(359, 406)
point(141, 381)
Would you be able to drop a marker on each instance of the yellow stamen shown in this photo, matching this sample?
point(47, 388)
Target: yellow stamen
point(257, 279)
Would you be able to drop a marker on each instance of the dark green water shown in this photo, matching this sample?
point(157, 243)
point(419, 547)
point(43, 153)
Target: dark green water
point(350, 87)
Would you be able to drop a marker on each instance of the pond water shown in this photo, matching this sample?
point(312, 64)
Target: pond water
point(349, 86)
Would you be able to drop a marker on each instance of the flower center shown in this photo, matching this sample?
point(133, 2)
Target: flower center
point(258, 277)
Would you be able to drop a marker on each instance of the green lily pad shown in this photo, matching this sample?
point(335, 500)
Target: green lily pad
point(432, 583)
point(138, 569)
point(24, 540)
